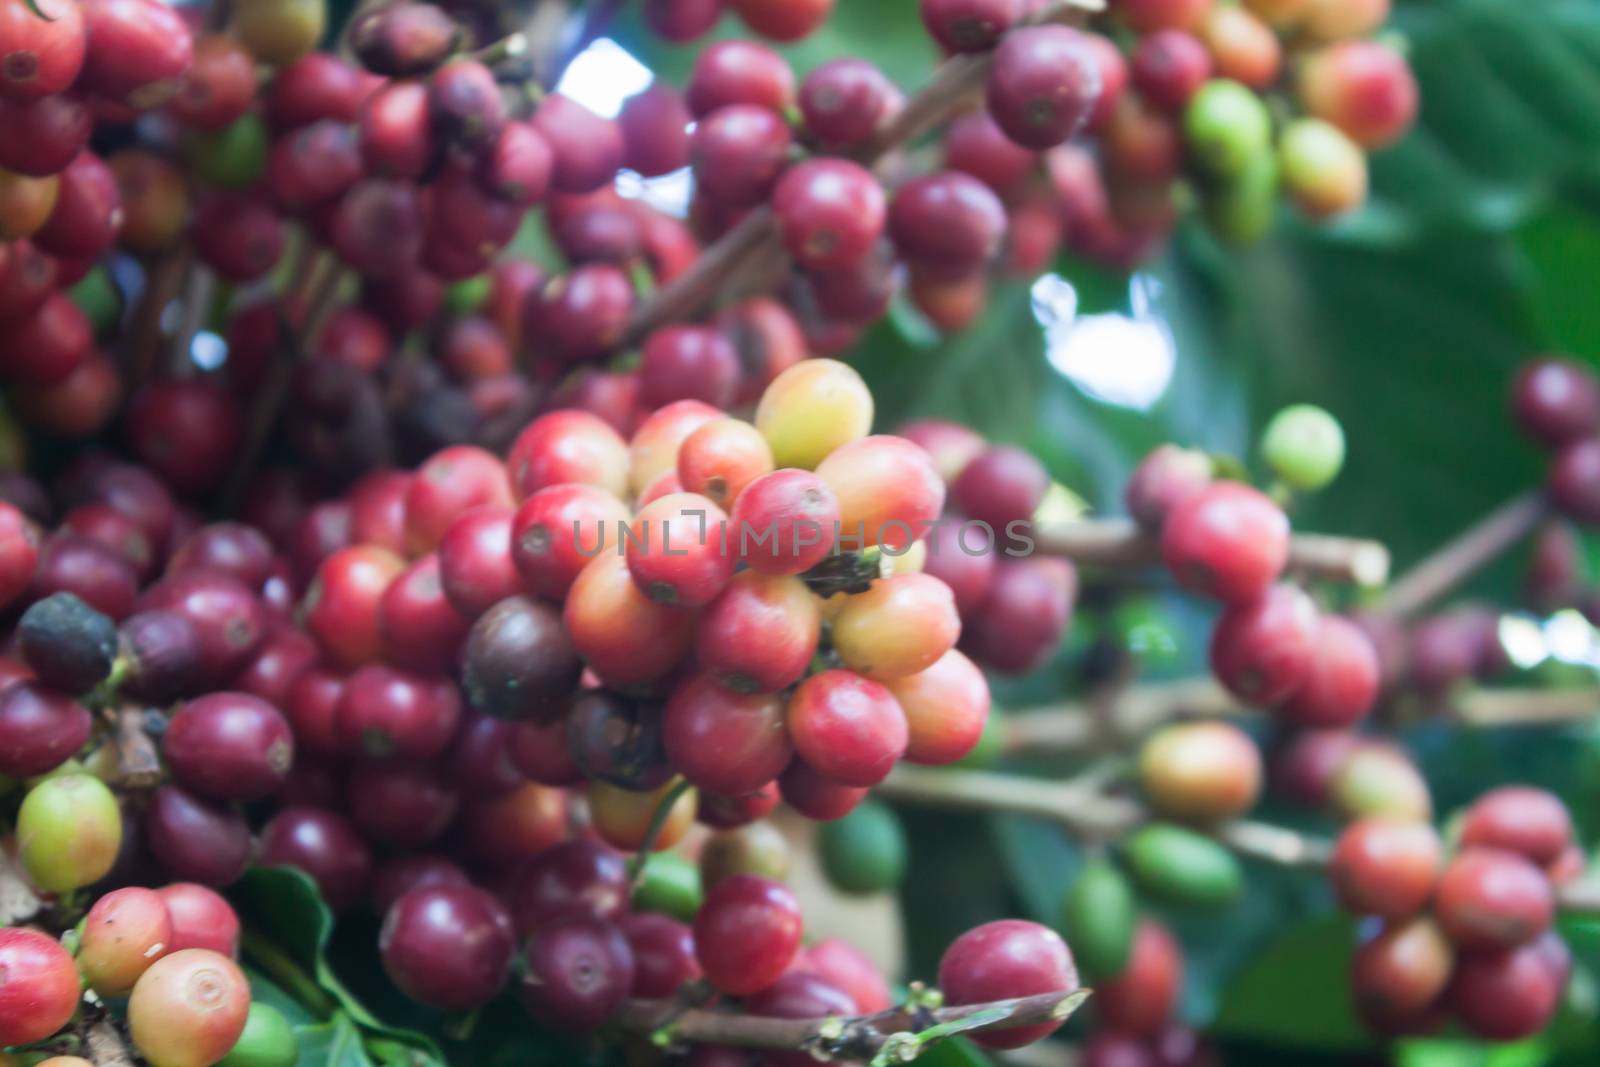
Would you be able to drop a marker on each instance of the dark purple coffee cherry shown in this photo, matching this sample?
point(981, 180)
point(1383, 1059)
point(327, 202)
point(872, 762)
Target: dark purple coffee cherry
point(68, 644)
point(580, 969)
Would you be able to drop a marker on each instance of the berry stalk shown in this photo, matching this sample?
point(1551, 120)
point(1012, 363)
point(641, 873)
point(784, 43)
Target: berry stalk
point(1453, 563)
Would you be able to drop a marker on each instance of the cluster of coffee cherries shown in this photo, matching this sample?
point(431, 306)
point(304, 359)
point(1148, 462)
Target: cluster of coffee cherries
point(1463, 930)
point(168, 954)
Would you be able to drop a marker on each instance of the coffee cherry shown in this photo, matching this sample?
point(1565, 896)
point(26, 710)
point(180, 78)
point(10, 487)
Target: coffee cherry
point(623, 817)
point(618, 739)
point(1201, 771)
point(124, 933)
point(815, 796)
point(201, 918)
point(844, 101)
point(970, 25)
point(681, 21)
point(1556, 401)
point(1304, 446)
point(25, 204)
point(1004, 959)
point(1386, 868)
point(189, 1008)
point(69, 829)
point(724, 742)
point(1323, 170)
point(900, 626)
point(1379, 780)
point(138, 51)
point(1227, 541)
point(1521, 819)
point(1140, 1000)
point(946, 707)
point(785, 522)
point(738, 152)
point(558, 530)
point(1227, 128)
point(41, 989)
point(377, 227)
point(447, 946)
point(623, 635)
point(41, 48)
point(1019, 625)
point(888, 491)
point(49, 345)
point(739, 72)
point(1400, 973)
point(1183, 867)
point(811, 409)
point(580, 969)
point(1363, 87)
point(1044, 83)
point(326, 846)
point(502, 832)
point(229, 746)
point(832, 212)
point(681, 555)
point(663, 955)
point(280, 31)
point(40, 729)
point(96, 575)
point(746, 933)
point(1573, 481)
point(518, 660)
point(1503, 996)
point(386, 713)
point(1341, 684)
point(67, 644)
point(401, 40)
point(1168, 67)
point(419, 626)
point(847, 728)
point(782, 20)
point(341, 607)
point(451, 483)
point(1100, 915)
point(266, 1041)
point(196, 840)
point(1304, 768)
point(760, 635)
point(688, 363)
point(44, 134)
point(1263, 650)
point(864, 852)
point(588, 150)
point(758, 848)
point(1489, 899)
point(1000, 487)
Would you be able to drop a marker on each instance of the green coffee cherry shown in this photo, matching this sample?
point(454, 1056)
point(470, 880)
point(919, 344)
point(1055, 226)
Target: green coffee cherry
point(670, 885)
point(1241, 209)
point(1227, 128)
point(1324, 171)
point(1145, 629)
point(1304, 446)
point(1100, 915)
point(267, 1040)
point(864, 852)
point(100, 299)
point(1183, 867)
point(233, 157)
point(68, 832)
point(467, 295)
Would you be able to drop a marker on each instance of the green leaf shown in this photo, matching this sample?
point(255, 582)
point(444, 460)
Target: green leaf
point(336, 1043)
point(1455, 1053)
point(1297, 992)
point(957, 1052)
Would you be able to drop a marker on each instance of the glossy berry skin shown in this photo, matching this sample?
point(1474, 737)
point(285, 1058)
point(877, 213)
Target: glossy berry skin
point(784, 523)
point(663, 954)
point(219, 87)
point(582, 314)
point(41, 988)
point(740, 72)
point(326, 846)
point(1401, 972)
point(201, 918)
point(405, 804)
point(1227, 541)
point(816, 797)
point(1503, 996)
point(229, 746)
point(970, 25)
point(138, 51)
point(901, 625)
point(760, 635)
point(1201, 771)
point(124, 933)
point(1140, 1000)
point(1341, 684)
point(518, 661)
point(725, 742)
point(1556, 400)
point(48, 346)
point(681, 21)
point(387, 713)
point(419, 625)
point(888, 492)
point(447, 946)
point(451, 483)
point(587, 149)
point(1521, 819)
point(196, 840)
point(844, 101)
point(582, 877)
point(1043, 86)
point(1168, 67)
point(623, 635)
point(1385, 867)
point(1489, 899)
point(40, 54)
point(946, 707)
point(655, 125)
point(746, 933)
point(1019, 624)
point(1363, 87)
point(681, 555)
point(39, 729)
point(188, 431)
point(558, 530)
point(949, 222)
point(341, 606)
point(1004, 959)
point(685, 362)
point(476, 570)
point(1263, 650)
point(189, 1008)
point(44, 134)
point(568, 446)
point(831, 211)
point(1573, 481)
point(580, 969)
point(737, 153)
point(847, 728)
point(19, 552)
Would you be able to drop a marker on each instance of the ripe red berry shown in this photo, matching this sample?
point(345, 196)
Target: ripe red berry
point(196, 840)
point(1573, 481)
point(681, 21)
point(847, 728)
point(888, 492)
point(1341, 682)
point(1168, 68)
point(663, 954)
point(418, 624)
point(1365, 88)
point(201, 918)
point(1140, 1000)
point(41, 989)
point(237, 235)
point(1400, 973)
point(138, 51)
point(326, 846)
point(686, 362)
point(1503, 996)
point(229, 746)
point(47, 346)
point(1521, 819)
point(41, 48)
point(580, 969)
point(226, 616)
point(678, 552)
point(946, 707)
point(219, 87)
point(43, 135)
point(974, 144)
point(624, 636)
point(845, 101)
point(740, 72)
point(1020, 622)
point(124, 933)
point(1044, 85)
point(398, 803)
point(1227, 541)
point(385, 713)
point(587, 149)
point(1386, 867)
point(655, 127)
point(831, 211)
point(451, 483)
point(447, 946)
point(1005, 959)
point(746, 933)
point(317, 86)
point(1556, 401)
point(785, 522)
point(396, 131)
point(760, 635)
point(725, 742)
point(1491, 899)
point(738, 151)
point(999, 487)
point(1263, 650)
point(396, 877)
point(88, 211)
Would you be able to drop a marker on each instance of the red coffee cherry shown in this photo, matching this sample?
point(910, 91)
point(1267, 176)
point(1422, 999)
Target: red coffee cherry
point(663, 954)
point(1201, 771)
point(1044, 85)
point(201, 918)
point(683, 362)
point(396, 877)
point(970, 25)
point(1227, 541)
point(785, 522)
point(1556, 401)
point(48, 346)
point(558, 530)
point(974, 144)
point(580, 969)
point(682, 555)
point(740, 72)
point(43, 135)
point(568, 446)
point(1001, 486)
point(946, 707)
point(738, 152)
point(1341, 684)
point(227, 618)
point(849, 970)
point(124, 933)
point(1506, 995)
point(138, 51)
point(588, 149)
point(901, 625)
point(783, 20)
point(447, 946)
point(847, 728)
point(949, 222)
point(1363, 87)
point(1398, 975)
point(800, 995)
point(746, 933)
point(815, 796)
point(40, 53)
point(387, 713)
point(760, 635)
point(1168, 68)
point(1520, 819)
point(1490, 899)
point(317, 86)
point(400, 803)
point(189, 1008)
point(844, 101)
point(229, 746)
point(832, 213)
point(681, 21)
point(1386, 867)
point(451, 483)
point(624, 636)
point(1005, 959)
point(1263, 650)
point(888, 492)
point(1019, 624)
point(420, 627)
point(196, 840)
point(88, 211)
point(326, 846)
point(725, 742)
point(219, 87)
point(1573, 481)
point(1140, 1000)
point(41, 989)
point(341, 607)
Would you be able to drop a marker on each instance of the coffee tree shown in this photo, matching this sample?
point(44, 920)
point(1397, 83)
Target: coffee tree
point(488, 574)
